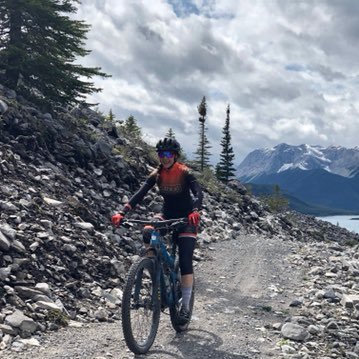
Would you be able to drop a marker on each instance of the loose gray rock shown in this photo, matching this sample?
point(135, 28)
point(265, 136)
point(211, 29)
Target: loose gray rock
point(3, 106)
point(294, 332)
point(21, 321)
point(4, 243)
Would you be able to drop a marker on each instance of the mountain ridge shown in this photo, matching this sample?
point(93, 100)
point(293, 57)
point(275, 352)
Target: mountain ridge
point(315, 179)
point(334, 159)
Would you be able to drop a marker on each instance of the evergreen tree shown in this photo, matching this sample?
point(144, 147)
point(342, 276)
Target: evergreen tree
point(225, 169)
point(276, 202)
point(131, 128)
point(170, 134)
point(111, 116)
point(202, 153)
point(217, 171)
point(39, 44)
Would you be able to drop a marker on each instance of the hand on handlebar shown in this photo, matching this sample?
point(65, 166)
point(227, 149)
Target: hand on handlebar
point(194, 218)
point(117, 219)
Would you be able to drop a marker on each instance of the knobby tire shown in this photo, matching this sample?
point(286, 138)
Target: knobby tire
point(141, 306)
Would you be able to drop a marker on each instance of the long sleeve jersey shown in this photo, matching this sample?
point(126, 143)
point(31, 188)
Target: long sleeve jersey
point(176, 185)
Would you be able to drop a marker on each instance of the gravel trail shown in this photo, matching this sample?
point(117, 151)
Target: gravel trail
point(242, 288)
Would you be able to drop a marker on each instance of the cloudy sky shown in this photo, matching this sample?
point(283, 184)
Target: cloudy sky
point(288, 69)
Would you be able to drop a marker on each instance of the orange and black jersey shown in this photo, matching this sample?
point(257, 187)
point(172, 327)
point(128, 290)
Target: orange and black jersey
point(176, 185)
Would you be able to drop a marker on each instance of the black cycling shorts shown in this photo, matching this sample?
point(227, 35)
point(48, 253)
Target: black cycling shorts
point(185, 238)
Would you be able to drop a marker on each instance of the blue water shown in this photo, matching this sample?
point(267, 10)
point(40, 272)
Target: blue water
point(344, 221)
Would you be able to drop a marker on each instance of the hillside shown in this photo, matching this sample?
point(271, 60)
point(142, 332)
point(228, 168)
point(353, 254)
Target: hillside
point(62, 176)
point(318, 188)
point(263, 190)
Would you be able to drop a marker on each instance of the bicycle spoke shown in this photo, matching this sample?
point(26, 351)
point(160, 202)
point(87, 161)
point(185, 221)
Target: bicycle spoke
point(140, 311)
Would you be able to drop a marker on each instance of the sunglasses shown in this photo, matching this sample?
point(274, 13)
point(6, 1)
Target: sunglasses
point(165, 154)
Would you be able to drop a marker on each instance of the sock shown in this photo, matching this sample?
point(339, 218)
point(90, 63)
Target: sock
point(186, 296)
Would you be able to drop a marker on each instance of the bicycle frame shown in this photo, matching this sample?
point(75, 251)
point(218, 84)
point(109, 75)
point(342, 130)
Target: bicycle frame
point(164, 258)
point(153, 284)
point(165, 261)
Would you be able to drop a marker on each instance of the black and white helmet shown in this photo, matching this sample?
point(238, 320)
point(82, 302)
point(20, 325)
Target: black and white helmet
point(168, 144)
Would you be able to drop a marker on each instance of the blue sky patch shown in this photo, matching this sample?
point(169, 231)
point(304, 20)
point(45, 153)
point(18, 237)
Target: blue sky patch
point(295, 67)
point(217, 95)
point(183, 8)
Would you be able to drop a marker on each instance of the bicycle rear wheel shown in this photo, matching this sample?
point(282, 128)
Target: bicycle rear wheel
point(176, 306)
point(141, 306)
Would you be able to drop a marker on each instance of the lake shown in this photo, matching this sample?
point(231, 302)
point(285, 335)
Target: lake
point(344, 221)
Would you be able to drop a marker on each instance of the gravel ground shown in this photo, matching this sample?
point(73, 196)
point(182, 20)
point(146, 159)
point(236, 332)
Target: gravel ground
point(242, 288)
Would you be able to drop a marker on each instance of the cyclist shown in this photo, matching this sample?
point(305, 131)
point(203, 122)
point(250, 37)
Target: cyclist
point(182, 198)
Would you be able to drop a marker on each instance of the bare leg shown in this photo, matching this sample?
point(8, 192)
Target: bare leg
point(186, 287)
point(187, 280)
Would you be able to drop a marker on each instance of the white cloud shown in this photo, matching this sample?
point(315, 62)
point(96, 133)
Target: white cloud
point(288, 69)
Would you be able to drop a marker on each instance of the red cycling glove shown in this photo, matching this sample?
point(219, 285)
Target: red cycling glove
point(117, 219)
point(194, 218)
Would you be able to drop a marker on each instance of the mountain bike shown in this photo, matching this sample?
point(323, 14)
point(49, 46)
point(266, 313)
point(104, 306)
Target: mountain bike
point(153, 284)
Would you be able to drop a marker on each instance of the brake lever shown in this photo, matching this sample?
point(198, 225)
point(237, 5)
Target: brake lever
point(127, 224)
point(124, 224)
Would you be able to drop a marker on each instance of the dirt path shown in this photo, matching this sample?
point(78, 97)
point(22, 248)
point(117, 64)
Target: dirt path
point(243, 288)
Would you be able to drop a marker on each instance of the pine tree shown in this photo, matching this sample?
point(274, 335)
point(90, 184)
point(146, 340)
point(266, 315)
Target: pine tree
point(38, 48)
point(225, 169)
point(170, 134)
point(111, 116)
point(202, 153)
point(131, 128)
point(217, 171)
point(276, 201)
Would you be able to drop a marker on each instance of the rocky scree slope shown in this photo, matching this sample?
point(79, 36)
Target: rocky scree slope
point(62, 176)
point(323, 318)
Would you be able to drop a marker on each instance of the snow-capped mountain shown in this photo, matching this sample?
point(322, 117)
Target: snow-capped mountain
point(334, 159)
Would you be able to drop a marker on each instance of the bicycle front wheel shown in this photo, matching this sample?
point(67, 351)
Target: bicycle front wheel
point(141, 306)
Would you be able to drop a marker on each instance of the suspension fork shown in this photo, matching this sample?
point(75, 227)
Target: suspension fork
point(157, 279)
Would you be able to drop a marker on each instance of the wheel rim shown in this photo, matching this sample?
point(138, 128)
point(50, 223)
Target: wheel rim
point(142, 308)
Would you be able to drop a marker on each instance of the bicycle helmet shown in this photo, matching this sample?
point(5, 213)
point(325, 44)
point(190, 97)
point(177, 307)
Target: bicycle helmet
point(168, 144)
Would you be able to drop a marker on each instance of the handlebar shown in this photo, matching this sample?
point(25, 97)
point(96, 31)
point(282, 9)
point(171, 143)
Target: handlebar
point(158, 224)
